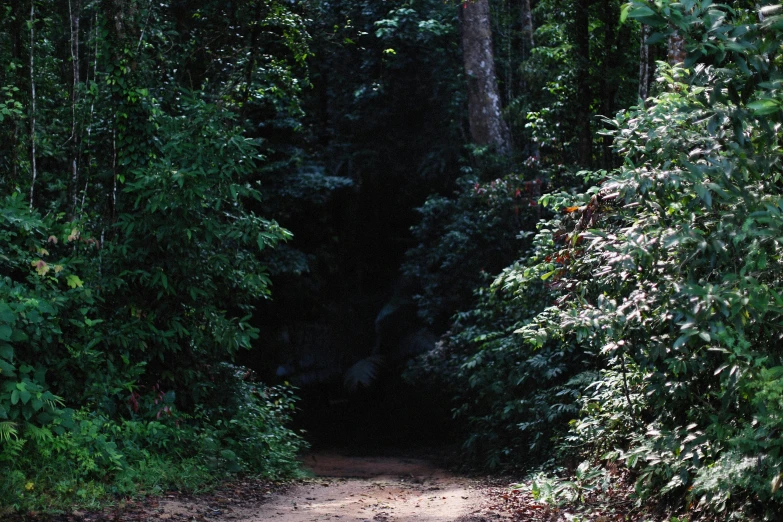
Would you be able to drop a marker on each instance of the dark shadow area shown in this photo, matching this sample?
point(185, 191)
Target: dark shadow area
point(373, 145)
point(350, 399)
point(389, 415)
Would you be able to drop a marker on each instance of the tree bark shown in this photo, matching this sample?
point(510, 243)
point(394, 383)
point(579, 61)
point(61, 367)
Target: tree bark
point(644, 64)
point(32, 103)
point(486, 123)
point(18, 47)
point(89, 143)
point(676, 54)
point(528, 41)
point(251, 60)
point(123, 33)
point(74, 8)
point(583, 92)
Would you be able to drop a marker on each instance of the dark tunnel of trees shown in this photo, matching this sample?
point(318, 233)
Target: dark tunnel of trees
point(539, 231)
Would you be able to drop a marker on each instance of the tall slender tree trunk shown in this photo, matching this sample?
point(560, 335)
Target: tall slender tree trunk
point(32, 103)
point(583, 91)
point(89, 143)
point(528, 41)
point(486, 122)
point(18, 47)
point(645, 68)
point(122, 33)
point(74, 7)
point(509, 83)
point(113, 195)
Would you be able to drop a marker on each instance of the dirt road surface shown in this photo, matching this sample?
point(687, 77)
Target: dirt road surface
point(354, 489)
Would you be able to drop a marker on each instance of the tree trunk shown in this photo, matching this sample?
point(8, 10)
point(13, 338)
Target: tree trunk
point(251, 60)
point(645, 78)
point(74, 8)
point(122, 13)
point(486, 123)
point(676, 54)
point(528, 43)
point(89, 143)
point(18, 48)
point(527, 30)
point(32, 103)
point(583, 94)
point(129, 120)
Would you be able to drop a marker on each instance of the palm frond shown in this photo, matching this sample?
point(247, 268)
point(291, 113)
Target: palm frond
point(363, 372)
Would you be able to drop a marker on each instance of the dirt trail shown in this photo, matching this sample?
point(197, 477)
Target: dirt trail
point(356, 489)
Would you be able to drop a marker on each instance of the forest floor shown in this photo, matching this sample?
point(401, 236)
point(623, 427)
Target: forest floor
point(346, 487)
point(343, 488)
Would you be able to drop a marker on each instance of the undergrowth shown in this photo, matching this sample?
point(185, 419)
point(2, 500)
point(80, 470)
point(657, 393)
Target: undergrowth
point(85, 459)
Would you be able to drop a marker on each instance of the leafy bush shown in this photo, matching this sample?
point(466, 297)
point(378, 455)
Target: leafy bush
point(112, 378)
point(512, 395)
point(82, 456)
point(664, 278)
point(465, 237)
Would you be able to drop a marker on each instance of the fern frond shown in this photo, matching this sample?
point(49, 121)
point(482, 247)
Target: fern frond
point(363, 372)
point(37, 434)
point(8, 431)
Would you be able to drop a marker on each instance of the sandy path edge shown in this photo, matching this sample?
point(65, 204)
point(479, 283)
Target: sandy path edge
point(356, 489)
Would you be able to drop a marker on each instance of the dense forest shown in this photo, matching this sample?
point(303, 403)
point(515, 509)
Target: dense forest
point(550, 228)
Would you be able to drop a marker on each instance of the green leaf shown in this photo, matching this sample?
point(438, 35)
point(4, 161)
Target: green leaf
point(6, 314)
point(764, 107)
point(7, 369)
point(74, 281)
point(645, 15)
point(636, 11)
point(655, 38)
point(5, 332)
point(624, 12)
point(228, 455)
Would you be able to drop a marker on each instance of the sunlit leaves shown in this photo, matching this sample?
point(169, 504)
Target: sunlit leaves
point(669, 271)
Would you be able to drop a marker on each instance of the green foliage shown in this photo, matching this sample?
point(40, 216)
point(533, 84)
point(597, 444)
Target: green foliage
point(543, 89)
point(388, 100)
point(50, 455)
point(133, 256)
point(37, 302)
point(189, 242)
point(465, 237)
point(586, 479)
point(83, 456)
point(662, 281)
point(515, 395)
